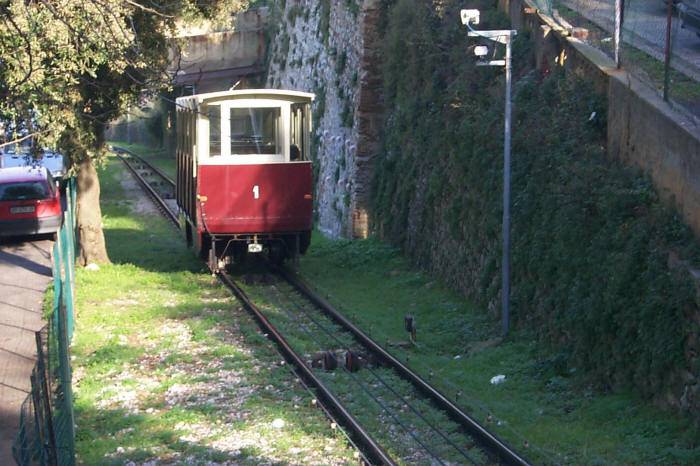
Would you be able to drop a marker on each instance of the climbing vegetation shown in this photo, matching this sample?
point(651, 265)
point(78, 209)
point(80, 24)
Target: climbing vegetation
point(597, 258)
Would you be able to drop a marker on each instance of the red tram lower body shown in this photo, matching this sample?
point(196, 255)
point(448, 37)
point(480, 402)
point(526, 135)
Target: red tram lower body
point(251, 208)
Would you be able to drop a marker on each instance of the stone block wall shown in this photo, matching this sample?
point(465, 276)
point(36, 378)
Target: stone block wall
point(332, 49)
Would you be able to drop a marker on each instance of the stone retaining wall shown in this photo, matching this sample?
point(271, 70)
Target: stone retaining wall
point(644, 131)
point(333, 49)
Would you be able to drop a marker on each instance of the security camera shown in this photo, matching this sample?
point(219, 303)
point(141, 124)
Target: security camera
point(481, 50)
point(469, 16)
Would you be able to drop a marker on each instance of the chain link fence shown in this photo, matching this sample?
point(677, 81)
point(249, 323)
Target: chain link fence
point(659, 41)
point(46, 432)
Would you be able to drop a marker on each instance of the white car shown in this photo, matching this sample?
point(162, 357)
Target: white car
point(53, 161)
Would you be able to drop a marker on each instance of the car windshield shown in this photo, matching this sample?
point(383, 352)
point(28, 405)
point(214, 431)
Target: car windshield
point(24, 190)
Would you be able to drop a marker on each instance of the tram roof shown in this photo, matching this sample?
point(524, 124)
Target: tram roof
point(272, 94)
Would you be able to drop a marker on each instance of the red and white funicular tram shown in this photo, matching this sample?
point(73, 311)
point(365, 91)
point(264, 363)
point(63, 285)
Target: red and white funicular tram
point(244, 178)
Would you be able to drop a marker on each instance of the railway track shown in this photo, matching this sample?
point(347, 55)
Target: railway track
point(159, 186)
point(389, 412)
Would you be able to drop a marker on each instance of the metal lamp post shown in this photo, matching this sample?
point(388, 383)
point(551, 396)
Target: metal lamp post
point(505, 37)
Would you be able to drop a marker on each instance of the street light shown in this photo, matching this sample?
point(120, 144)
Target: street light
point(505, 37)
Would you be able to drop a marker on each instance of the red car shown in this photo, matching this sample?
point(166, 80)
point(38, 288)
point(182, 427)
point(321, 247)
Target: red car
point(30, 203)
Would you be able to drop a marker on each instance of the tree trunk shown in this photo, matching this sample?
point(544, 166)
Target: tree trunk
point(89, 216)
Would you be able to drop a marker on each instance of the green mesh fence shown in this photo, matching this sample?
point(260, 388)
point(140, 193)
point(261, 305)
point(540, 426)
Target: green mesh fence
point(46, 432)
point(659, 43)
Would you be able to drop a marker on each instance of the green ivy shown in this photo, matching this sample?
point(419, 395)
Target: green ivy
point(590, 237)
point(293, 12)
point(325, 20)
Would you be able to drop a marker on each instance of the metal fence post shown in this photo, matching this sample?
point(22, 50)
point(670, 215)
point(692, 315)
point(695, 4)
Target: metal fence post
point(66, 449)
point(506, 194)
point(619, 9)
point(45, 399)
point(667, 51)
point(68, 281)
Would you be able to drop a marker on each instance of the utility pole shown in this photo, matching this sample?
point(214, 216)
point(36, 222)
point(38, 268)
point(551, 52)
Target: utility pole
point(504, 37)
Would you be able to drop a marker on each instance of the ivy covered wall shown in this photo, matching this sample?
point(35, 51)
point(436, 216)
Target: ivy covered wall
point(599, 263)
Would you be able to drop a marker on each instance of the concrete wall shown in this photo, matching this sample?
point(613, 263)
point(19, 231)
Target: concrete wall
point(215, 61)
point(643, 130)
point(201, 60)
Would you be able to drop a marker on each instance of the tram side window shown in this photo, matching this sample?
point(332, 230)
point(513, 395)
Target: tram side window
point(297, 151)
point(255, 131)
point(214, 115)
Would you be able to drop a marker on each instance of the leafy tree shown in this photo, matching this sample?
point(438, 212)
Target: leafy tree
point(68, 67)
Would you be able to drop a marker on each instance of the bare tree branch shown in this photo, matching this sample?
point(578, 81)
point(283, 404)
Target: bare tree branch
point(145, 8)
point(24, 138)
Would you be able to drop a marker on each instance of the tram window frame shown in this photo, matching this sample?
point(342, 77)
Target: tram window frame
point(298, 118)
point(214, 124)
point(253, 141)
point(226, 157)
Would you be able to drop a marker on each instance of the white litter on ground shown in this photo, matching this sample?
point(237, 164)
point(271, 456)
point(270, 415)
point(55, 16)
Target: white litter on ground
point(278, 423)
point(497, 379)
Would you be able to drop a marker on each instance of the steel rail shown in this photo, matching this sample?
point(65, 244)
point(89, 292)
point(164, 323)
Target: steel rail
point(330, 404)
point(403, 400)
point(488, 439)
point(172, 216)
point(375, 453)
point(160, 172)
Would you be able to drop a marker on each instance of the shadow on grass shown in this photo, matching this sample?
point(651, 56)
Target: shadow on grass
point(113, 354)
point(151, 250)
point(119, 437)
point(115, 436)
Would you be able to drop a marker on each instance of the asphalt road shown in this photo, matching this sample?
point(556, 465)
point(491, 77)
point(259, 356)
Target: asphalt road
point(25, 272)
point(645, 28)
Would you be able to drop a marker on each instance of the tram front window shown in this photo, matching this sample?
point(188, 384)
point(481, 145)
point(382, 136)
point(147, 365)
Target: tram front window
point(254, 131)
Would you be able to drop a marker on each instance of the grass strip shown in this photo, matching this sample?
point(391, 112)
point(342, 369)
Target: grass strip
point(548, 413)
point(551, 415)
point(168, 369)
point(156, 156)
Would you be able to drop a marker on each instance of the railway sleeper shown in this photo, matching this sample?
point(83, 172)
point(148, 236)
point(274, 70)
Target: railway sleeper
point(350, 360)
